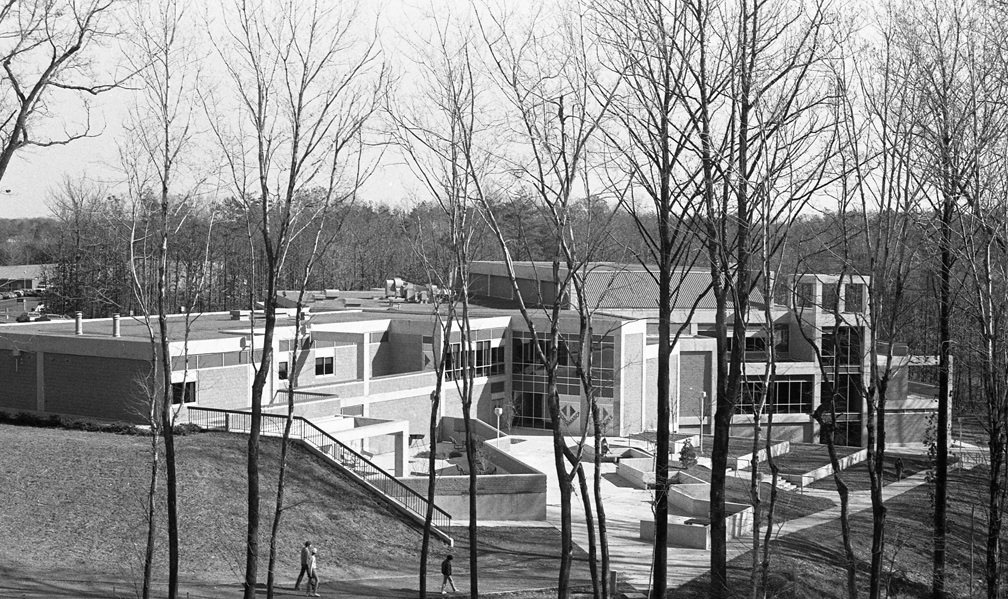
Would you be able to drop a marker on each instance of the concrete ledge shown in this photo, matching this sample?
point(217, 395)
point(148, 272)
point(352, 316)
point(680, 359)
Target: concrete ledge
point(801, 480)
point(688, 536)
point(744, 462)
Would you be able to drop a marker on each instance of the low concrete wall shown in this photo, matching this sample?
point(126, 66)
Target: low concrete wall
point(636, 471)
point(808, 478)
point(689, 536)
point(744, 462)
point(452, 426)
point(516, 492)
point(322, 408)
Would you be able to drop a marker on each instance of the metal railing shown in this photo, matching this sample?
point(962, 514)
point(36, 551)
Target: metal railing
point(363, 469)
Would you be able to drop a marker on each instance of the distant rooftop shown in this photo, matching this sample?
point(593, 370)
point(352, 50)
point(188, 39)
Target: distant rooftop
point(23, 271)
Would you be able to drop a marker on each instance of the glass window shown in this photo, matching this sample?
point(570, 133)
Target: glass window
point(184, 392)
point(282, 371)
point(806, 295)
point(782, 338)
point(829, 297)
point(854, 298)
point(323, 366)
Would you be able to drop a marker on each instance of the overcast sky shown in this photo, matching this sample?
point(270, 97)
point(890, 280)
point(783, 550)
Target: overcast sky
point(35, 173)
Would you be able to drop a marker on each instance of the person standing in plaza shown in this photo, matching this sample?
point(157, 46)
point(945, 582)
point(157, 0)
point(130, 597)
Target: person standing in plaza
point(305, 555)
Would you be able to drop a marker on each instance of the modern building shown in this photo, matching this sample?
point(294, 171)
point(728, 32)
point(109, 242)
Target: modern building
point(369, 361)
point(818, 334)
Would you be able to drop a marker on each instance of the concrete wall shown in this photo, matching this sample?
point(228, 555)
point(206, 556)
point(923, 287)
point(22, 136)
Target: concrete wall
point(407, 352)
point(227, 388)
point(808, 478)
point(415, 410)
point(651, 395)
point(907, 427)
point(18, 381)
point(695, 372)
point(631, 375)
point(72, 387)
point(518, 495)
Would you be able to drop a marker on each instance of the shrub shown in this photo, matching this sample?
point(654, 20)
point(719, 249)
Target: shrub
point(186, 429)
point(687, 455)
point(454, 454)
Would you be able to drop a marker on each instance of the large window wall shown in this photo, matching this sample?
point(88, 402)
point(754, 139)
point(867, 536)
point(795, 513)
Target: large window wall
point(528, 375)
point(792, 395)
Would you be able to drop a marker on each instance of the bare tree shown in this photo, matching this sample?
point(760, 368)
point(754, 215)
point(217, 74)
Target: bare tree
point(303, 83)
point(161, 132)
point(550, 80)
point(48, 61)
point(437, 130)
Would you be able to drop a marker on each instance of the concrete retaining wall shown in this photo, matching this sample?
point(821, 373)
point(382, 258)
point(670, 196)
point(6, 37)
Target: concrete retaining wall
point(808, 478)
point(520, 494)
point(689, 536)
point(744, 462)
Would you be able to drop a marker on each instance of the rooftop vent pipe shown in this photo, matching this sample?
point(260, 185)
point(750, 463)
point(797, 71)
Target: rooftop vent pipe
point(115, 326)
point(79, 319)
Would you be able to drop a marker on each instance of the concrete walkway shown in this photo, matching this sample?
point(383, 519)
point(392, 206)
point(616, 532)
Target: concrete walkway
point(626, 506)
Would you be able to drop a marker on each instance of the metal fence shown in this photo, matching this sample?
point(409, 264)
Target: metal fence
point(364, 469)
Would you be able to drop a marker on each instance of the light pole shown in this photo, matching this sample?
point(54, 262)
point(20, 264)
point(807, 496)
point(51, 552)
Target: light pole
point(498, 411)
point(703, 400)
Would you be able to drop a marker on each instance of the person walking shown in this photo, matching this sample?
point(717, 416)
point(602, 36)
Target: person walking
point(446, 569)
point(312, 574)
point(305, 555)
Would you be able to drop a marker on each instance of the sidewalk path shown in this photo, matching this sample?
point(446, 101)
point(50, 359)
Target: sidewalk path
point(626, 506)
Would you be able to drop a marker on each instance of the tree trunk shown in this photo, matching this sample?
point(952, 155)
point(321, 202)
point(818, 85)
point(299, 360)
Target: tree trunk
point(292, 378)
point(590, 523)
point(944, 397)
point(167, 425)
point(599, 508)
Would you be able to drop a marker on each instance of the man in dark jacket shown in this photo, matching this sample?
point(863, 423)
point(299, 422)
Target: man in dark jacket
point(305, 555)
point(447, 571)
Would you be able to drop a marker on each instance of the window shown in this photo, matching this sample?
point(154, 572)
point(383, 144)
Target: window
point(848, 397)
point(183, 392)
point(323, 366)
point(497, 360)
point(531, 411)
point(782, 339)
point(854, 297)
point(282, 370)
point(755, 344)
point(806, 295)
point(482, 359)
point(829, 297)
point(841, 347)
point(792, 395)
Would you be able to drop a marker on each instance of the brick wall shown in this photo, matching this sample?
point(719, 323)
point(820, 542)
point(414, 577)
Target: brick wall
point(96, 387)
point(18, 377)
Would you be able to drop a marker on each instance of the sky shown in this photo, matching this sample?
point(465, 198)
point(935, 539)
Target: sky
point(36, 173)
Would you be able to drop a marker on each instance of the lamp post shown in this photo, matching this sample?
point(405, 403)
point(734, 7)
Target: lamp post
point(498, 411)
point(703, 401)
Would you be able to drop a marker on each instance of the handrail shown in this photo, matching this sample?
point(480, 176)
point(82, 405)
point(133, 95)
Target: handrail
point(347, 457)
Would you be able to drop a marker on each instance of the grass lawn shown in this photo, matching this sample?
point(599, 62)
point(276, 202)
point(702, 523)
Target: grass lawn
point(76, 500)
point(810, 563)
point(790, 504)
